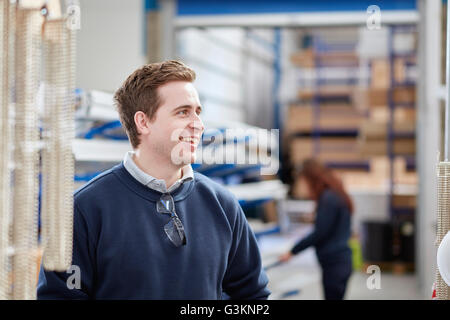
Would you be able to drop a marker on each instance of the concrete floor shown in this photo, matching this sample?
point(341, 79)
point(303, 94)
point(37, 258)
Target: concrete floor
point(303, 273)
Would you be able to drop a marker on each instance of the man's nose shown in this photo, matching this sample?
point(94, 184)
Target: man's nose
point(197, 124)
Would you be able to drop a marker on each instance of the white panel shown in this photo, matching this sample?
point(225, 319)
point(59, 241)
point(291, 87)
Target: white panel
point(428, 139)
point(218, 69)
point(110, 42)
point(213, 111)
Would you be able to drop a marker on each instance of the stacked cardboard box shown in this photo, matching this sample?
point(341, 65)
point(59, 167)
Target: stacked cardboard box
point(380, 71)
point(404, 201)
point(308, 58)
point(366, 111)
point(326, 91)
point(373, 134)
point(378, 178)
point(404, 95)
point(327, 149)
point(325, 122)
point(304, 118)
point(303, 59)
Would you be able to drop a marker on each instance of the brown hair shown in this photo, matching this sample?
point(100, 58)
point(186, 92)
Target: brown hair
point(139, 92)
point(319, 178)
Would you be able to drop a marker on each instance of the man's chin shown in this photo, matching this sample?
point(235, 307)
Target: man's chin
point(184, 160)
point(183, 154)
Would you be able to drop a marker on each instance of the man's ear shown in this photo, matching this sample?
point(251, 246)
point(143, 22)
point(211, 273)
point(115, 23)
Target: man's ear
point(142, 122)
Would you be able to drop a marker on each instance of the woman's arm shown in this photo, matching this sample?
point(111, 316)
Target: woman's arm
point(327, 211)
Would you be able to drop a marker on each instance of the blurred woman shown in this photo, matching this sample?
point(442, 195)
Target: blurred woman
point(332, 228)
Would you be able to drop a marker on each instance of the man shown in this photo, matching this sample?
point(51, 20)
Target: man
point(151, 228)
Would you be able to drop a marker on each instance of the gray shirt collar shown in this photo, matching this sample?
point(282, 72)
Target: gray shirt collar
point(152, 182)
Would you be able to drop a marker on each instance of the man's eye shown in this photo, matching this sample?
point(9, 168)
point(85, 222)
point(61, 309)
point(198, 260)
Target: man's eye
point(182, 112)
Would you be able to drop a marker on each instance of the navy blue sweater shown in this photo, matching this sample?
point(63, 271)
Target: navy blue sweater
point(123, 252)
point(331, 230)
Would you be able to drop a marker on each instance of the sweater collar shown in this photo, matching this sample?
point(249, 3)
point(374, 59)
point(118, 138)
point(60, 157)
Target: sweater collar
point(153, 195)
point(152, 182)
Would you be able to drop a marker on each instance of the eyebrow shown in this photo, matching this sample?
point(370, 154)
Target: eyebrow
point(188, 106)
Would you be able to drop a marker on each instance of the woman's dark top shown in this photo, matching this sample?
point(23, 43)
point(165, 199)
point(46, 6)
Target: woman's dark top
point(332, 229)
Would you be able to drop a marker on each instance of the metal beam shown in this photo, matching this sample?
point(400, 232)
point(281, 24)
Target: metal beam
point(428, 139)
point(312, 19)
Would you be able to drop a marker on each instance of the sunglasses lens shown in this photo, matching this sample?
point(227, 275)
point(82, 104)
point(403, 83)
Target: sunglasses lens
point(175, 232)
point(174, 228)
point(165, 204)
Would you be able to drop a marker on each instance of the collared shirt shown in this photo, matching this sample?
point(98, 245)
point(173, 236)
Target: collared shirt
point(152, 182)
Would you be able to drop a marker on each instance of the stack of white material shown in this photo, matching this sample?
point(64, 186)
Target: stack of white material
point(6, 15)
point(35, 42)
point(57, 157)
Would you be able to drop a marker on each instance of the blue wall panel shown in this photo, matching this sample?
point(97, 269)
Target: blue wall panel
point(208, 7)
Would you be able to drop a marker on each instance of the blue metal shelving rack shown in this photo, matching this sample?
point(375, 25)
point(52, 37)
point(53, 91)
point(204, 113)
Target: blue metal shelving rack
point(321, 48)
point(398, 214)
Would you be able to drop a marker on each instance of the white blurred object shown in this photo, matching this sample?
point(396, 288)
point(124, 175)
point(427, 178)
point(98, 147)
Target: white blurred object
point(404, 42)
point(274, 189)
point(443, 258)
point(373, 43)
point(98, 106)
point(101, 150)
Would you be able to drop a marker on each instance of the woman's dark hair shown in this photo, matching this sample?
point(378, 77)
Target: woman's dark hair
point(319, 178)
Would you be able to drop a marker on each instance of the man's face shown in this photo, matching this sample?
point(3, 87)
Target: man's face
point(176, 129)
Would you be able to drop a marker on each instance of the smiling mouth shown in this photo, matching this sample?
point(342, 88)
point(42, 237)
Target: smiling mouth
point(192, 140)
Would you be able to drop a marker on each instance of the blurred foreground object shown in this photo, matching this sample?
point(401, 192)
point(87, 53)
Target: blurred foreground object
point(443, 258)
point(37, 46)
point(443, 182)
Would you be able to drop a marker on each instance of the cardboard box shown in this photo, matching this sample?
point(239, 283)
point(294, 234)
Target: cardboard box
point(303, 59)
point(327, 149)
point(378, 178)
point(380, 74)
point(327, 91)
point(378, 130)
point(377, 97)
point(338, 58)
point(405, 115)
point(330, 117)
point(376, 127)
point(399, 70)
point(299, 118)
point(308, 58)
point(404, 201)
point(404, 95)
point(401, 146)
point(305, 94)
point(343, 157)
point(340, 117)
point(401, 175)
point(399, 115)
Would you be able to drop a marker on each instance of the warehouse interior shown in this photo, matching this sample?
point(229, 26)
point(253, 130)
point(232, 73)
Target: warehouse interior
point(358, 85)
